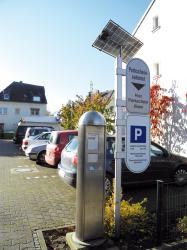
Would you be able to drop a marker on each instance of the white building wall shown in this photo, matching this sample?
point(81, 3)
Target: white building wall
point(11, 119)
point(167, 45)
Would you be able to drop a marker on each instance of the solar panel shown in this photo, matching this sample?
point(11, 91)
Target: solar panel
point(113, 37)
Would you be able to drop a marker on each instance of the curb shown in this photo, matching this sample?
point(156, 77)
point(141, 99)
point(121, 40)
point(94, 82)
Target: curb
point(172, 246)
point(165, 246)
point(41, 239)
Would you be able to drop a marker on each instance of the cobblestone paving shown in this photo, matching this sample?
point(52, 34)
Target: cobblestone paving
point(31, 198)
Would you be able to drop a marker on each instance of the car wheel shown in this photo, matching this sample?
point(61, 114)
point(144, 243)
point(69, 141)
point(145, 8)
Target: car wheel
point(41, 158)
point(180, 176)
point(108, 185)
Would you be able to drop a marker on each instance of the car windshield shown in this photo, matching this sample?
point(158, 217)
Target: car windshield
point(73, 145)
point(155, 151)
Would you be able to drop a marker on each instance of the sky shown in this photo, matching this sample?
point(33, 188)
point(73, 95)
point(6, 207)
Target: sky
point(49, 43)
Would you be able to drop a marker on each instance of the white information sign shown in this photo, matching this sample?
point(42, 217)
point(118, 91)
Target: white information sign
point(93, 158)
point(137, 143)
point(137, 87)
point(93, 141)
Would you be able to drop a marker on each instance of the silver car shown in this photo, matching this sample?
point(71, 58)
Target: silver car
point(38, 139)
point(37, 153)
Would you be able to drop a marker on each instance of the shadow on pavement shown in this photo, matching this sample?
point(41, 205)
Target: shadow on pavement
point(8, 148)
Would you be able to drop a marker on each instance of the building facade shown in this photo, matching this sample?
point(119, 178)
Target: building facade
point(19, 100)
point(162, 29)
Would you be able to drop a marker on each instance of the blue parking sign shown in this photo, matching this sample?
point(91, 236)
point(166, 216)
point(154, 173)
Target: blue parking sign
point(137, 143)
point(138, 134)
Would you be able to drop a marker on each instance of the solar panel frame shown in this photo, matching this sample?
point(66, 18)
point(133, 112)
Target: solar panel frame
point(118, 38)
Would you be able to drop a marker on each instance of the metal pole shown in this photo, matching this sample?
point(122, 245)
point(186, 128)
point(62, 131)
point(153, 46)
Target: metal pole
point(159, 207)
point(118, 147)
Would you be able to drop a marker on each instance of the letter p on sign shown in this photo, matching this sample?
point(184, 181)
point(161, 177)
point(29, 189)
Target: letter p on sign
point(138, 134)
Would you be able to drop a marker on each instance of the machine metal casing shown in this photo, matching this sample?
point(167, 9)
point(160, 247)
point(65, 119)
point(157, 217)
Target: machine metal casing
point(90, 177)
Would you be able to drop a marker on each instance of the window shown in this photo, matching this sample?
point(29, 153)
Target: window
point(17, 111)
point(110, 144)
point(21, 130)
point(70, 137)
point(45, 136)
point(155, 151)
point(73, 145)
point(54, 138)
point(155, 23)
point(35, 111)
point(156, 69)
point(3, 111)
point(36, 98)
point(37, 131)
point(6, 97)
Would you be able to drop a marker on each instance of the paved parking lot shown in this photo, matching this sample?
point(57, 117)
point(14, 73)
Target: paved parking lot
point(31, 198)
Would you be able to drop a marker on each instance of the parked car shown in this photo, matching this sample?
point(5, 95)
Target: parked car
point(57, 141)
point(69, 160)
point(163, 166)
point(26, 131)
point(37, 153)
point(34, 121)
point(31, 132)
point(19, 134)
point(38, 139)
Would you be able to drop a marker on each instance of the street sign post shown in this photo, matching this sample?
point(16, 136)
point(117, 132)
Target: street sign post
point(138, 123)
point(137, 87)
point(137, 143)
point(117, 42)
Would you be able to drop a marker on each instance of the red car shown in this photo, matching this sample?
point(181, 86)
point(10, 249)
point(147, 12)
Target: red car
point(57, 142)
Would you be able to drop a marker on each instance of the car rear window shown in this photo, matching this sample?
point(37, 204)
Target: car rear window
point(73, 145)
point(71, 136)
point(21, 130)
point(65, 137)
point(54, 138)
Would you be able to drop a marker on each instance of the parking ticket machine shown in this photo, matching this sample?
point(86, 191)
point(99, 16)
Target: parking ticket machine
point(90, 177)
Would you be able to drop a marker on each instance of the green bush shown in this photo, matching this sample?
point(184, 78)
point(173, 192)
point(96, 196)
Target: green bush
point(137, 225)
point(182, 226)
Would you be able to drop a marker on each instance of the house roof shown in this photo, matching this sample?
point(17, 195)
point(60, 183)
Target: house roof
point(105, 94)
point(143, 17)
point(23, 92)
point(108, 94)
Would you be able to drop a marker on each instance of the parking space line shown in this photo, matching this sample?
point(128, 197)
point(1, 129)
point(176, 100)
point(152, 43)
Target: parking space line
point(38, 177)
